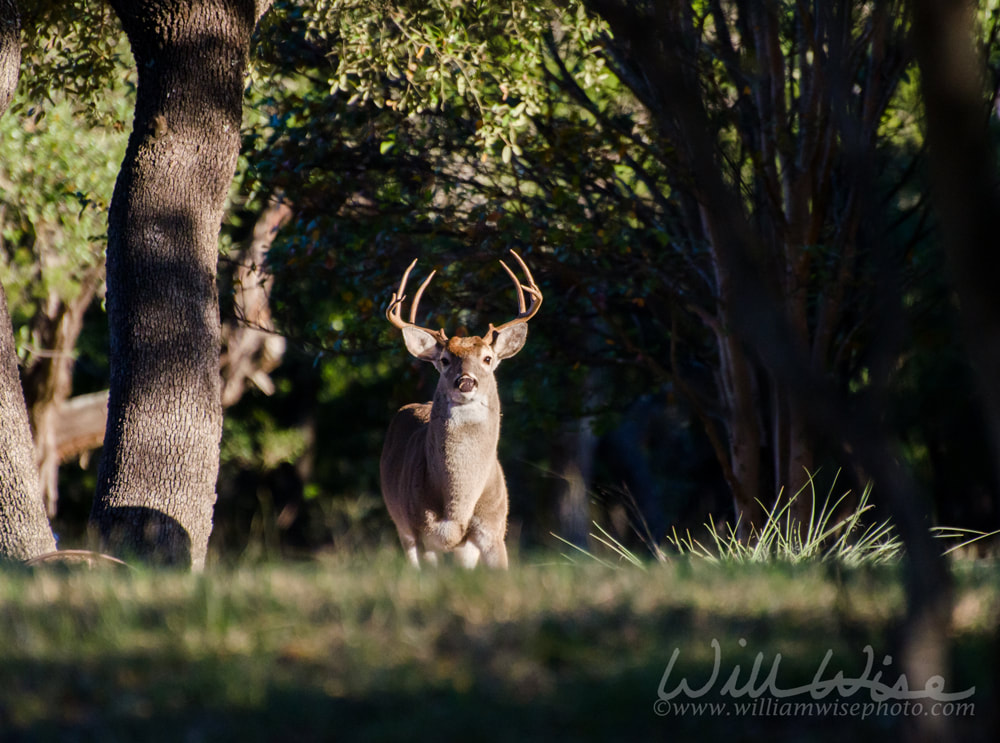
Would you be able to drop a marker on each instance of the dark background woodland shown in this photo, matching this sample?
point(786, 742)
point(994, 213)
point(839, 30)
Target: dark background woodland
point(623, 150)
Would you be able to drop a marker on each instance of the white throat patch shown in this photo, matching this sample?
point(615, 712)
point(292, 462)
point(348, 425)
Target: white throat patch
point(475, 411)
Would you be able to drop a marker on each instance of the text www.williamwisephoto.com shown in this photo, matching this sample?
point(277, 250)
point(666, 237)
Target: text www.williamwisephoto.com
point(828, 694)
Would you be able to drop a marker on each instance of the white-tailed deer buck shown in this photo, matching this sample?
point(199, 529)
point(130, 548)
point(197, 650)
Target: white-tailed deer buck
point(441, 480)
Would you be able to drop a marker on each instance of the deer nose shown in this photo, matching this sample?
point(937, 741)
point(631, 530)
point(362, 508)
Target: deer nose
point(466, 384)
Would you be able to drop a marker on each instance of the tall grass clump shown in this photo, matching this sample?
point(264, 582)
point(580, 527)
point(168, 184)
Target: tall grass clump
point(832, 534)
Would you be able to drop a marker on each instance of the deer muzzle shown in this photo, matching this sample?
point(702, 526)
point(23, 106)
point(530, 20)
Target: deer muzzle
point(466, 384)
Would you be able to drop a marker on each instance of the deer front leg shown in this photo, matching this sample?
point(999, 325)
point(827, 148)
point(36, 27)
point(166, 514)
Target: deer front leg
point(410, 547)
point(417, 553)
point(488, 543)
point(430, 557)
point(495, 555)
point(467, 554)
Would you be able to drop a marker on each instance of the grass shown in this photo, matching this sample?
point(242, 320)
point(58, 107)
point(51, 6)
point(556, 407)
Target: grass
point(829, 535)
point(832, 533)
point(364, 648)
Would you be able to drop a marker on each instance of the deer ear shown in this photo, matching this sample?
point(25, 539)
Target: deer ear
point(421, 343)
point(508, 341)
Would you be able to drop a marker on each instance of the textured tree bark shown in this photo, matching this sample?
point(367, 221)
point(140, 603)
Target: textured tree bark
point(156, 487)
point(24, 528)
point(10, 51)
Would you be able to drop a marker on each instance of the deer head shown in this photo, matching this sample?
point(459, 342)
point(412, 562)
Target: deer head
point(466, 365)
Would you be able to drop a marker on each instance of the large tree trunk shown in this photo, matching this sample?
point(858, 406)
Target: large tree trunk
point(156, 488)
point(24, 528)
point(964, 169)
point(952, 73)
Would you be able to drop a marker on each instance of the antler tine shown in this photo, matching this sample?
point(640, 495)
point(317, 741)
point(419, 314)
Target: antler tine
point(418, 295)
point(394, 312)
point(517, 285)
point(523, 313)
point(527, 271)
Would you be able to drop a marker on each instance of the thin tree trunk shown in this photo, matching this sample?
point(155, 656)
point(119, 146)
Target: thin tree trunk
point(801, 464)
point(574, 467)
point(743, 425)
point(251, 347)
point(156, 487)
point(739, 393)
point(24, 529)
point(49, 382)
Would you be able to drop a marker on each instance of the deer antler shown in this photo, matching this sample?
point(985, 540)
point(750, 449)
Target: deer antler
point(524, 314)
point(394, 312)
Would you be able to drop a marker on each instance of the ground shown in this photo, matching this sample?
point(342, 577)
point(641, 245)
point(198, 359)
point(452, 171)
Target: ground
point(365, 648)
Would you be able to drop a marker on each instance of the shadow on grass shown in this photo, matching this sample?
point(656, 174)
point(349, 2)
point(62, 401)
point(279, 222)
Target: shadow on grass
point(585, 675)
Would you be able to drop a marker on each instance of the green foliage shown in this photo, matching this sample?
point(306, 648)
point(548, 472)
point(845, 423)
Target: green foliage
point(57, 169)
point(375, 183)
point(834, 534)
point(454, 132)
point(486, 58)
point(257, 441)
point(613, 545)
point(73, 48)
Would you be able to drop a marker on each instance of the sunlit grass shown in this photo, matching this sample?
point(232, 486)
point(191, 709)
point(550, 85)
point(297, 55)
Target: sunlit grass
point(614, 547)
point(831, 534)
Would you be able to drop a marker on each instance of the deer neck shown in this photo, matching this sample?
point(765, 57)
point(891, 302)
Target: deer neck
point(462, 444)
